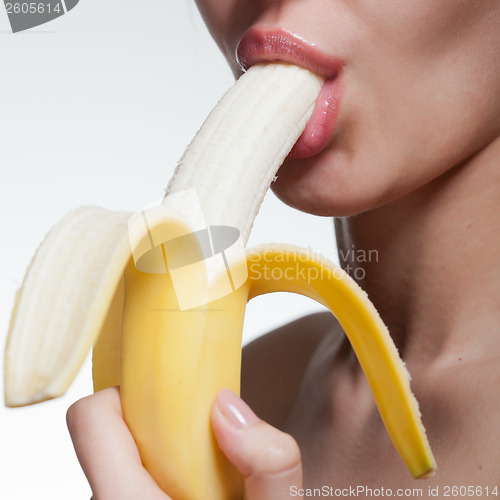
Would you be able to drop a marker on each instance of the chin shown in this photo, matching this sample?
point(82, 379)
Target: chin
point(320, 188)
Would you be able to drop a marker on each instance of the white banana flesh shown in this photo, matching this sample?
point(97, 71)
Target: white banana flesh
point(63, 301)
point(73, 297)
point(70, 283)
point(234, 157)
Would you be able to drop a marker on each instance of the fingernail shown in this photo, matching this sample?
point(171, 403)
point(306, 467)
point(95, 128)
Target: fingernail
point(236, 411)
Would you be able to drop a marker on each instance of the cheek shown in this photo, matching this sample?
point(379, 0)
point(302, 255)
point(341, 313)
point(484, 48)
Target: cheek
point(425, 26)
point(422, 94)
point(410, 112)
point(389, 144)
point(433, 78)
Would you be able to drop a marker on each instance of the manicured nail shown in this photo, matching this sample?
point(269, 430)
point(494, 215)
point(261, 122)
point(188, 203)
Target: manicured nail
point(237, 412)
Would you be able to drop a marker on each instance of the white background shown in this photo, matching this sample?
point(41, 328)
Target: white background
point(95, 108)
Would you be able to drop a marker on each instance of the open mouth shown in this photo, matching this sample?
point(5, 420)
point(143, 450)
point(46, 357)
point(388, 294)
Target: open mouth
point(260, 45)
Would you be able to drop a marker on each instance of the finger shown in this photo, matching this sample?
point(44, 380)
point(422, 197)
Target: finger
point(107, 451)
point(268, 458)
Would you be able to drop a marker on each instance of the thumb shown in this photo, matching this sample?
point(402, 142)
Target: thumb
point(268, 458)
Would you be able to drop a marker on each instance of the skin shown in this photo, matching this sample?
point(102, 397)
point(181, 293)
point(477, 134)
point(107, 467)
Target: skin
point(412, 172)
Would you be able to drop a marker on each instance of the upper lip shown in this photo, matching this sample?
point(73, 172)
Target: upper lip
point(259, 45)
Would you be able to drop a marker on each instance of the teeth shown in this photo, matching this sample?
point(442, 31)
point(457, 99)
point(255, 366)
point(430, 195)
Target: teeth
point(170, 363)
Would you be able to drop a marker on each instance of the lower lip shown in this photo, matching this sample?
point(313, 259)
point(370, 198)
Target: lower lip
point(321, 126)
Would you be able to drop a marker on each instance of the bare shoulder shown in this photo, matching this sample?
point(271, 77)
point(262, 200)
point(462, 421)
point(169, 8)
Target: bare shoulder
point(273, 365)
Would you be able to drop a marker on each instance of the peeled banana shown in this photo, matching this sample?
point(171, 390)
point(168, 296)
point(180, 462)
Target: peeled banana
point(161, 295)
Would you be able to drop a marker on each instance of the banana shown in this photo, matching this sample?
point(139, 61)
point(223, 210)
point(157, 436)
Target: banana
point(291, 269)
point(125, 283)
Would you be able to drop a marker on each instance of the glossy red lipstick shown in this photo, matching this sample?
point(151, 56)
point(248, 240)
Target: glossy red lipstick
point(321, 126)
point(260, 45)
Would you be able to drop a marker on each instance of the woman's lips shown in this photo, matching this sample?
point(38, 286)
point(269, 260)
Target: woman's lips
point(321, 126)
point(260, 45)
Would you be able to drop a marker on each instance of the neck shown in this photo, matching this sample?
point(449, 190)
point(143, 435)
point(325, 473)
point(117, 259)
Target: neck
point(430, 262)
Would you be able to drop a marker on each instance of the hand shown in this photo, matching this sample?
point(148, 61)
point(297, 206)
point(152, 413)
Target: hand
point(268, 458)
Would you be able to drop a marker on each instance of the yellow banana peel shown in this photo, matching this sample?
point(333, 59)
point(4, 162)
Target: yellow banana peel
point(169, 354)
point(188, 356)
